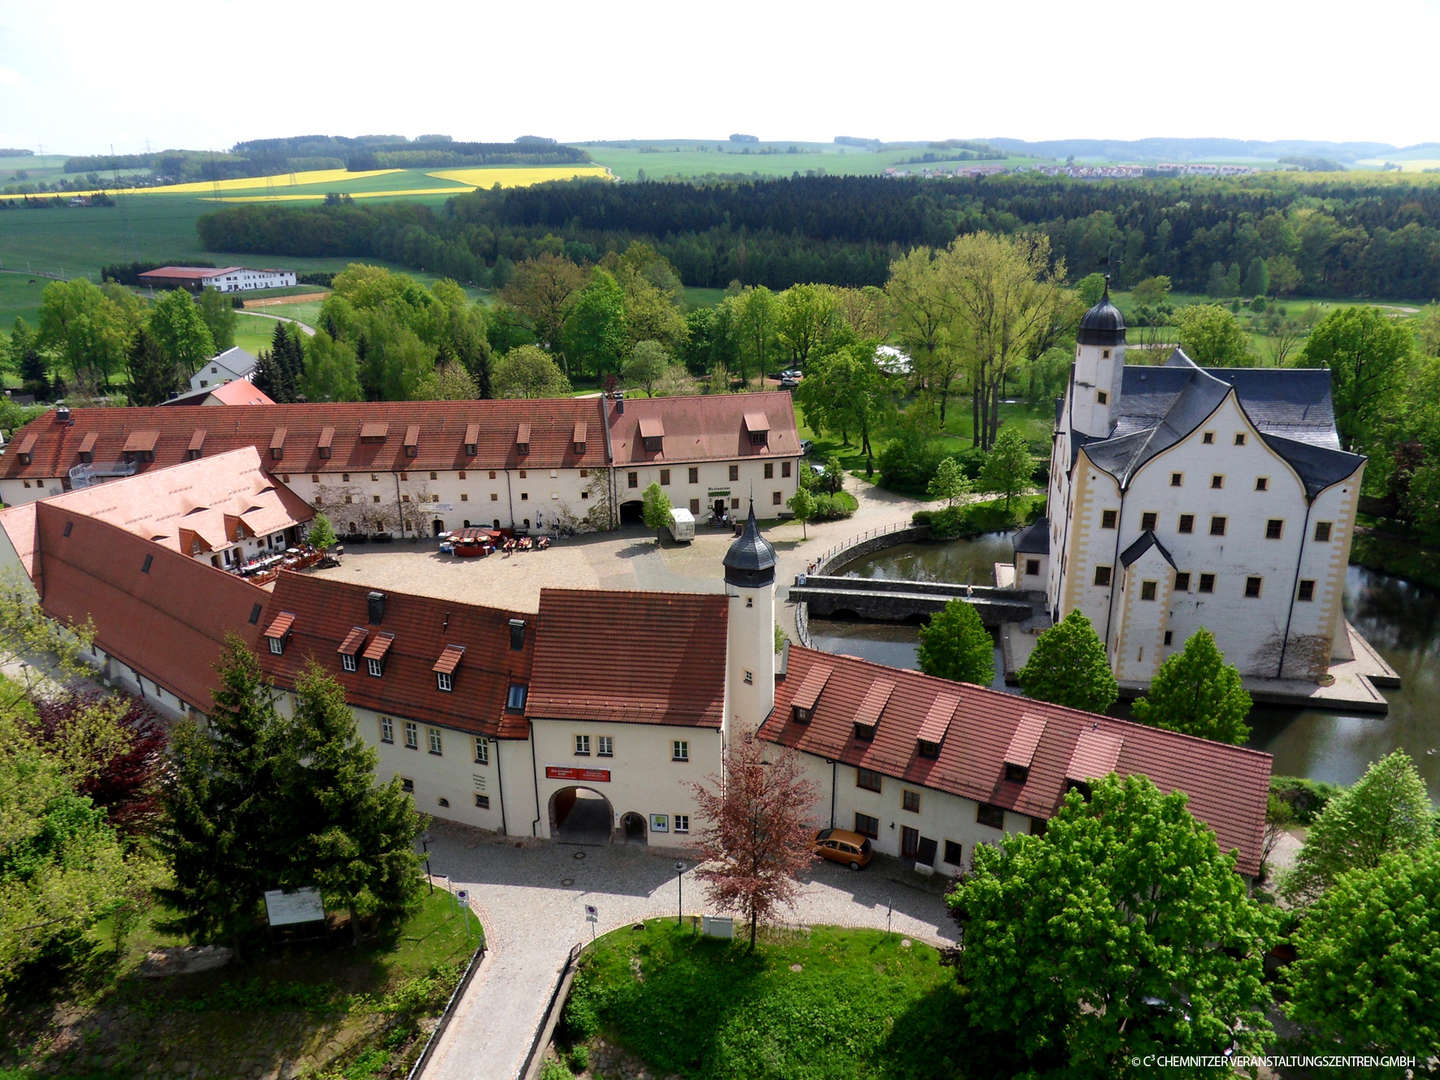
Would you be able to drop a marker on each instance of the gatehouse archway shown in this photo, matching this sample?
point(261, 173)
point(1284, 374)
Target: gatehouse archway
point(581, 815)
point(632, 825)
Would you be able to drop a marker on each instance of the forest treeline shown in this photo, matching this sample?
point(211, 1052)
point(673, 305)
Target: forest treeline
point(1325, 236)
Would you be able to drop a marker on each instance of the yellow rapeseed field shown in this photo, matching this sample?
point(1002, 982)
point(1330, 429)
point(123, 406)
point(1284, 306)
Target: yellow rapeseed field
point(520, 176)
point(244, 183)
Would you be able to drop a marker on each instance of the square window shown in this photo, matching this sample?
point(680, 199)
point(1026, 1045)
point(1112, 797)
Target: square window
point(494, 497)
point(1252, 587)
point(1208, 438)
point(1187, 523)
point(1107, 519)
point(1207, 583)
point(679, 750)
point(524, 496)
point(387, 729)
point(462, 474)
point(1101, 397)
point(464, 496)
point(1217, 526)
point(1147, 590)
point(734, 472)
point(1032, 566)
point(443, 681)
point(1176, 479)
point(910, 800)
point(522, 474)
point(1322, 532)
point(582, 744)
point(1102, 575)
point(435, 744)
point(434, 476)
point(374, 477)
point(1147, 521)
point(992, 816)
point(403, 476)
point(868, 779)
point(482, 801)
point(1307, 591)
point(345, 477)
point(1016, 774)
point(482, 750)
point(1262, 483)
point(606, 747)
point(412, 735)
point(374, 498)
point(694, 475)
point(682, 822)
point(1239, 438)
point(492, 474)
point(1217, 481)
point(1274, 529)
point(1182, 581)
point(347, 661)
point(952, 853)
point(866, 825)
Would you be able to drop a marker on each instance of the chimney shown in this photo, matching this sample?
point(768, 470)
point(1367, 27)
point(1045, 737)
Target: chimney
point(619, 402)
point(62, 414)
point(517, 633)
point(376, 601)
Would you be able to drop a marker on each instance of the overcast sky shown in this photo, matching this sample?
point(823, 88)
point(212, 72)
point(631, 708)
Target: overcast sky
point(77, 77)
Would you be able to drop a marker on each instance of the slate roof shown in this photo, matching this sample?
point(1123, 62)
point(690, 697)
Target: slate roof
point(167, 622)
point(329, 614)
point(630, 657)
point(1227, 785)
point(707, 428)
point(750, 560)
point(1102, 324)
point(1034, 539)
point(1143, 543)
point(1160, 406)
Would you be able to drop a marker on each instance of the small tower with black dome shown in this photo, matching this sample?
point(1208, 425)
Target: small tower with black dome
point(1099, 368)
point(750, 652)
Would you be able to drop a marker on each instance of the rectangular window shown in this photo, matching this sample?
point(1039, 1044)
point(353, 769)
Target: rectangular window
point(993, 816)
point(734, 472)
point(910, 800)
point(1147, 521)
point(1176, 479)
point(664, 477)
point(694, 475)
point(492, 474)
point(1274, 529)
point(1187, 523)
point(694, 506)
point(412, 735)
point(775, 498)
point(1102, 575)
point(1322, 532)
point(1032, 566)
point(582, 744)
point(1252, 587)
point(515, 699)
point(1207, 583)
point(909, 842)
point(1217, 481)
point(682, 822)
point(606, 747)
point(1217, 526)
point(435, 745)
point(1307, 591)
point(387, 729)
point(632, 479)
point(769, 470)
point(866, 825)
point(482, 801)
point(442, 680)
point(494, 497)
point(1239, 438)
point(347, 661)
point(952, 853)
point(1147, 590)
point(277, 645)
point(482, 750)
point(679, 750)
point(784, 468)
point(1262, 483)
point(464, 496)
point(1208, 438)
point(868, 779)
point(373, 666)
point(1101, 397)
point(1182, 581)
point(1107, 519)
point(1169, 636)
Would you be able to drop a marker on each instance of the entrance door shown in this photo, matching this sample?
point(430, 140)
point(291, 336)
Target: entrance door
point(926, 852)
point(437, 526)
point(634, 826)
point(719, 509)
point(909, 842)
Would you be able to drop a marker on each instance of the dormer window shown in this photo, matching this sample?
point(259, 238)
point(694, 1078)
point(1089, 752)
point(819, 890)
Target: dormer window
point(1016, 774)
point(1021, 751)
point(515, 697)
point(652, 433)
point(936, 724)
point(26, 449)
point(374, 667)
point(472, 440)
point(522, 439)
point(443, 681)
point(278, 631)
point(327, 439)
point(758, 428)
point(802, 716)
point(375, 653)
point(1078, 785)
point(87, 447)
point(277, 444)
point(412, 440)
point(444, 668)
point(928, 749)
point(577, 438)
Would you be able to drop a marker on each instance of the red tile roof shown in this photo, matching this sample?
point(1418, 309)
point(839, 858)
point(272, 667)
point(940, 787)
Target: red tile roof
point(873, 704)
point(809, 689)
point(1096, 753)
point(630, 657)
point(449, 659)
point(333, 616)
point(1021, 750)
point(937, 720)
point(188, 271)
point(168, 623)
point(1227, 785)
point(240, 392)
point(444, 431)
point(280, 625)
point(708, 428)
point(140, 442)
point(379, 645)
point(756, 421)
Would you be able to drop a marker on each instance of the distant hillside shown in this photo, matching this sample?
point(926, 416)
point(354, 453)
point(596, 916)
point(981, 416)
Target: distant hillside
point(1178, 150)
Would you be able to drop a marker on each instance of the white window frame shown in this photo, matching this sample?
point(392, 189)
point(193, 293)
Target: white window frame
point(682, 822)
point(347, 661)
point(444, 681)
point(482, 750)
point(582, 745)
point(680, 750)
point(605, 746)
point(387, 730)
point(436, 742)
point(374, 667)
point(277, 645)
point(412, 735)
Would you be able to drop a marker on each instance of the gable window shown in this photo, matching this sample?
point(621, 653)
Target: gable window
point(1208, 438)
point(1187, 523)
point(1307, 591)
point(482, 750)
point(443, 681)
point(868, 779)
point(1217, 526)
point(992, 816)
point(1207, 583)
point(910, 800)
point(387, 730)
point(679, 750)
point(1322, 532)
point(1262, 483)
point(1252, 587)
point(1274, 528)
point(435, 746)
point(605, 746)
point(1239, 438)
point(582, 745)
point(1147, 590)
point(1102, 575)
point(1147, 521)
point(412, 735)
point(866, 825)
point(1032, 566)
point(1107, 519)
point(1217, 481)
point(1182, 581)
point(1176, 479)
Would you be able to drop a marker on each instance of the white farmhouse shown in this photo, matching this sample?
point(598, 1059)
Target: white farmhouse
point(1183, 497)
point(234, 363)
point(221, 279)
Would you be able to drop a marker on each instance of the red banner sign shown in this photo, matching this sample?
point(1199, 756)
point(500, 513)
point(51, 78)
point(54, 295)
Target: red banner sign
point(562, 772)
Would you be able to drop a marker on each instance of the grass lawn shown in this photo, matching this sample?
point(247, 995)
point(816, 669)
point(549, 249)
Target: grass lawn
point(698, 296)
point(817, 1004)
point(319, 1005)
point(20, 298)
point(672, 159)
point(253, 332)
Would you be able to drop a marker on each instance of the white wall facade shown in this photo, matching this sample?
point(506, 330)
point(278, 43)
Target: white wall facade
point(242, 280)
point(713, 481)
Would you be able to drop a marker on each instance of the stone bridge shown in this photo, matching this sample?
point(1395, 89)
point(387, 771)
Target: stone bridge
point(887, 600)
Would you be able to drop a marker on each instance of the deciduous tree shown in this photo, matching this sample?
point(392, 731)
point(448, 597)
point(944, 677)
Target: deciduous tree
point(322, 533)
point(806, 317)
point(542, 289)
point(85, 328)
point(802, 505)
point(1069, 667)
point(1366, 352)
point(595, 333)
point(755, 835)
point(1195, 692)
point(179, 332)
point(1008, 466)
point(954, 644)
point(1211, 336)
point(1122, 931)
point(528, 372)
point(330, 371)
point(1386, 810)
point(921, 309)
point(655, 509)
point(645, 366)
point(220, 318)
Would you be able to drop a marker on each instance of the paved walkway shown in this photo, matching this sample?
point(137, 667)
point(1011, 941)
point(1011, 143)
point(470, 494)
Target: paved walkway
point(531, 897)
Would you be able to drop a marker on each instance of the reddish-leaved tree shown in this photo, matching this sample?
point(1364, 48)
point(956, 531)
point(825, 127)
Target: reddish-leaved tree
point(756, 836)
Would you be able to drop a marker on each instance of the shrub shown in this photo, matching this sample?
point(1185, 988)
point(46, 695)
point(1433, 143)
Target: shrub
point(834, 507)
point(1306, 798)
point(908, 463)
point(580, 1058)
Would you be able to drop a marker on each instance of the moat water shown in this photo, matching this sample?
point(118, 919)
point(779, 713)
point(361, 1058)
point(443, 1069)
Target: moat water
point(1399, 618)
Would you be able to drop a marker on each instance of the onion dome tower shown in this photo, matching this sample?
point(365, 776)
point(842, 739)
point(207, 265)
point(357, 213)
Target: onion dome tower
point(1099, 368)
point(750, 652)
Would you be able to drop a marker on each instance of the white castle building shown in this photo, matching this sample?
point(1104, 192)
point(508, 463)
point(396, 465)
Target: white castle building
point(1183, 497)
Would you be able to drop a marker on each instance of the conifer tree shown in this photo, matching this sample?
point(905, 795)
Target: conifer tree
point(153, 376)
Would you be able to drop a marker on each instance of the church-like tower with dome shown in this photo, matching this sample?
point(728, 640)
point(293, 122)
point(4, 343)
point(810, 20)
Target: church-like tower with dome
point(1183, 497)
